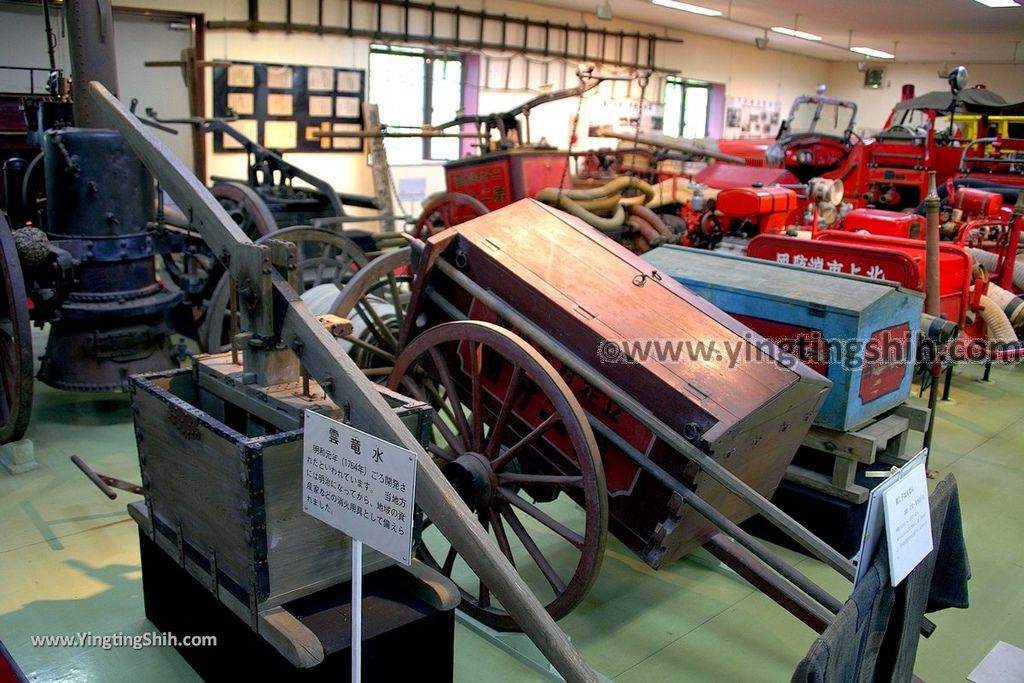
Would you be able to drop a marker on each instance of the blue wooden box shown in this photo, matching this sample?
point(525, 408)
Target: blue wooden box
point(859, 333)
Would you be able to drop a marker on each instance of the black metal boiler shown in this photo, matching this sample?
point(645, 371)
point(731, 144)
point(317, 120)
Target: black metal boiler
point(101, 208)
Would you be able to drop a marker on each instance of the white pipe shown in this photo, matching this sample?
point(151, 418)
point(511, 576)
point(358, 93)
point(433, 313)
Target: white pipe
point(990, 261)
point(1000, 330)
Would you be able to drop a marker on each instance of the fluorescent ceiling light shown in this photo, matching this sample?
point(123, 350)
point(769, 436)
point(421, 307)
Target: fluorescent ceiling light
point(794, 33)
point(999, 3)
point(872, 52)
point(687, 7)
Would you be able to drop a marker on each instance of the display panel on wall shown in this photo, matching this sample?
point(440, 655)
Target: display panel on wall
point(281, 106)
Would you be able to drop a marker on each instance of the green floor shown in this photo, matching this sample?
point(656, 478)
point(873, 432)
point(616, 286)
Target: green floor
point(70, 564)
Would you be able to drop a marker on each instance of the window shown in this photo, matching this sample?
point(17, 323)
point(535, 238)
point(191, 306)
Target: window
point(687, 104)
point(414, 87)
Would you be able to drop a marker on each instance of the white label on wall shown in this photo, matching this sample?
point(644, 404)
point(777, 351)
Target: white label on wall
point(908, 527)
point(359, 484)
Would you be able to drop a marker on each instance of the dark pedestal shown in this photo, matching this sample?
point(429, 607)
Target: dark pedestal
point(837, 522)
point(403, 637)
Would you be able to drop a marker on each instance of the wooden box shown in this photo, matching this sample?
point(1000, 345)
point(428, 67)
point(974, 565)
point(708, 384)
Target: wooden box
point(840, 325)
point(221, 467)
point(500, 178)
point(590, 293)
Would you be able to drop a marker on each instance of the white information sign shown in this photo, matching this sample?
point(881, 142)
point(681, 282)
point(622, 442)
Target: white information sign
point(874, 520)
point(359, 484)
point(908, 523)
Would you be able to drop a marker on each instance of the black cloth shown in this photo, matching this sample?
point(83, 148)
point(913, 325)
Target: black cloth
point(876, 633)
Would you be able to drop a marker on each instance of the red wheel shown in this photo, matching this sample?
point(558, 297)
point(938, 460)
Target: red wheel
point(446, 210)
point(15, 342)
point(516, 445)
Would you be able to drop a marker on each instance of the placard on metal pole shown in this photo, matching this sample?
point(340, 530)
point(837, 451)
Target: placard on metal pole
point(366, 488)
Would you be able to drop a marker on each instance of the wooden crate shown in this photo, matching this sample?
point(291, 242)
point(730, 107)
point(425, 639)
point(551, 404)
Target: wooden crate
point(221, 467)
point(884, 440)
point(588, 291)
point(836, 323)
point(499, 178)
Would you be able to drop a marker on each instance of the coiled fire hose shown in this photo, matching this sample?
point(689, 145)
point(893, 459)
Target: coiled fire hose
point(1008, 302)
point(583, 203)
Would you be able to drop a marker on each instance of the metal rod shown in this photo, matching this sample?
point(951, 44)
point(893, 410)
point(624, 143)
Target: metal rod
point(710, 513)
point(931, 296)
point(931, 210)
point(731, 482)
point(948, 383)
point(357, 611)
point(744, 564)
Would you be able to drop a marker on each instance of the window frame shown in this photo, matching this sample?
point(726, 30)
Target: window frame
point(427, 58)
point(686, 84)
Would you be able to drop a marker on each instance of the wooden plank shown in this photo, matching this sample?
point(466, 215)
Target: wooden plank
point(842, 444)
point(886, 428)
point(917, 416)
point(137, 511)
point(823, 483)
point(844, 472)
point(290, 637)
point(430, 586)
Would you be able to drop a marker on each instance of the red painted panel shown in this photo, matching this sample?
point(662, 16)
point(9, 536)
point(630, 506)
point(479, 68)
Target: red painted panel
point(886, 362)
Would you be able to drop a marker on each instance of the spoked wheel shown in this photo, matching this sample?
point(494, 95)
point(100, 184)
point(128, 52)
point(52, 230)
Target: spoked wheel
point(15, 342)
point(446, 210)
point(325, 257)
point(246, 207)
point(514, 442)
point(375, 300)
point(196, 272)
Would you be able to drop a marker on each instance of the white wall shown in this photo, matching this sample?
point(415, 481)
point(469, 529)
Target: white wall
point(846, 82)
point(745, 71)
point(138, 39)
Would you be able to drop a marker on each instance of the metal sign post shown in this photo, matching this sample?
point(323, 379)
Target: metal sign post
point(365, 487)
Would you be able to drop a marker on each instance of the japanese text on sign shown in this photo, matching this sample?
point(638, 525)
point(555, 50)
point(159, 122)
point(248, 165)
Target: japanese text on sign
point(908, 529)
point(833, 265)
point(359, 484)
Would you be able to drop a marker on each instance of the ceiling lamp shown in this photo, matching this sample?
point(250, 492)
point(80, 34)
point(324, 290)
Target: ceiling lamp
point(872, 52)
point(687, 7)
point(999, 3)
point(794, 33)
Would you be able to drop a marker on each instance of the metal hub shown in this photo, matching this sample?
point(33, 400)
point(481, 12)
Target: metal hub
point(473, 479)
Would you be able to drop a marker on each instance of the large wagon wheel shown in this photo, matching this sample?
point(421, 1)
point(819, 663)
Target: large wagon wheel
point(444, 211)
point(375, 300)
point(15, 342)
point(324, 257)
point(246, 207)
point(511, 438)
